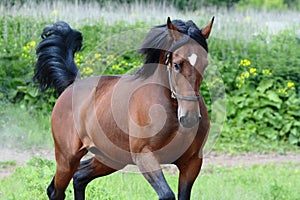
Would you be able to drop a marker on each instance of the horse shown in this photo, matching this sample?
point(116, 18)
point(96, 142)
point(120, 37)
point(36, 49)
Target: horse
point(155, 116)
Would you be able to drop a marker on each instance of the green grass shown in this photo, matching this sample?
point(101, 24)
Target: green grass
point(6, 164)
point(256, 182)
point(22, 128)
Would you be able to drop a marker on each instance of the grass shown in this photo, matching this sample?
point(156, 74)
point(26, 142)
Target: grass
point(230, 23)
point(21, 128)
point(7, 164)
point(256, 182)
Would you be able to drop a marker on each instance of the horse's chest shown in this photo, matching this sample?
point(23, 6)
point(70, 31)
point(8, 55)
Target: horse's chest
point(170, 147)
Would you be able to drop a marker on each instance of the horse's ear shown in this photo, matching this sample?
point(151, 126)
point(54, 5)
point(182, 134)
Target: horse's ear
point(173, 31)
point(206, 30)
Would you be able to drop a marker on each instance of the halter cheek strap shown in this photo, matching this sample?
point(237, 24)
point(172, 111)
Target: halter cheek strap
point(174, 94)
point(185, 39)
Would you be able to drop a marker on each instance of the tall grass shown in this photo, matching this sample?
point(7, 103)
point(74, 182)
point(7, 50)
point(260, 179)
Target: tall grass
point(230, 23)
point(89, 13)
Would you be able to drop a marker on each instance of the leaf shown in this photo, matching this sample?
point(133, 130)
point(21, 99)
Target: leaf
point(261, 113)
point(294, 112)
point(266, 102)
point(286, 128)
point(274, 119)
point(273, 97)
point(293, 139)
point(264, 85)
point(297, 123)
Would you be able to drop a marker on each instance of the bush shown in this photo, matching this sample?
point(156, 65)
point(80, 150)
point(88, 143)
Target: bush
point(261, 79)
point(264, 4)
point(260, 75)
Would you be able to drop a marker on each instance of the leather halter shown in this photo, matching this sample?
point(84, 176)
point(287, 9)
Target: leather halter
point(174, 94)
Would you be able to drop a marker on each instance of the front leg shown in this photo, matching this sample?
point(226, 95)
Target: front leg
point(188, 173)
point(150, 168)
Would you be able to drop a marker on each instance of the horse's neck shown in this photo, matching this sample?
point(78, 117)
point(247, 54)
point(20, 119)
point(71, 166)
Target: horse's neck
point(161, 76)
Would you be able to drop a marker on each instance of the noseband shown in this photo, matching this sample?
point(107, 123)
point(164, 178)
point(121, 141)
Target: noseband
point(174, 94)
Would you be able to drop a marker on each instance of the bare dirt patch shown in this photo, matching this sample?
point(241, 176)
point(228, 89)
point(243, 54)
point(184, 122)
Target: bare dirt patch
point(20, 157)
point(211, 159)
point(249, 159)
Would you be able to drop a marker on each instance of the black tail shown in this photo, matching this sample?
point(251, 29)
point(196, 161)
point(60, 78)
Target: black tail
point(55, 67)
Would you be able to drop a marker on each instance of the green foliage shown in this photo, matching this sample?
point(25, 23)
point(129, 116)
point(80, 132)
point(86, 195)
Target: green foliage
point(256, 182)
point(6, 164)
point(265, 4)
point(263, 101)
point(260, 77)
point(220, 3)
point(293, 4)
point(261, 119)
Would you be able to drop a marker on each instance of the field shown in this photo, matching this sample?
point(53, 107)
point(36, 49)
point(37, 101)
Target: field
point(256, 182)
point(251, 87)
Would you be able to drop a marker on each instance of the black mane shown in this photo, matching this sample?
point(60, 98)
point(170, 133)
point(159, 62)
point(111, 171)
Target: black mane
point(157, 40)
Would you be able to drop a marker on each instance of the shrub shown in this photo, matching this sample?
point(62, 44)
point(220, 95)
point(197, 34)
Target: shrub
point(264, 4)
point(260, 75)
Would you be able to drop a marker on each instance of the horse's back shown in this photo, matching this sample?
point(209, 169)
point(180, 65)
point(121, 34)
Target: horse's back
point(78, 102)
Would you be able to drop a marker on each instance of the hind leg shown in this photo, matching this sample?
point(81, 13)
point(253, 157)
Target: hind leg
point(64, 172)
point(68, 152)
point(65, 168)
point(86, 172)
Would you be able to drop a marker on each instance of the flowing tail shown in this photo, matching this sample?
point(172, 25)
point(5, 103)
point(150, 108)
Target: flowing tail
point(55, 67)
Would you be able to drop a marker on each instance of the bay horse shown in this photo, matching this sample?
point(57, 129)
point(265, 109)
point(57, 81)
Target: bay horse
point(155, 116)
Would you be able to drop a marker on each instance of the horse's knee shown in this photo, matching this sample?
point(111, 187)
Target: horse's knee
point(53, 194)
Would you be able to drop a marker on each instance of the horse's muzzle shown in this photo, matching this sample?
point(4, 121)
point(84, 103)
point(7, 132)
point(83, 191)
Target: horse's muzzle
point(189, 121)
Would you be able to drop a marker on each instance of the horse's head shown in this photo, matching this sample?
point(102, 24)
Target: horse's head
point(186, 60)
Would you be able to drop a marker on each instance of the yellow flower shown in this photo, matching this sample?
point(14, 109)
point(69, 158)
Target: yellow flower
point(266, 72)
point(32, 44)
point(110, 57)
point(245, 75)
point(116, 67)
point(78, 59)
point(290, 84)
point(252, 70)
point(244, 63)
point(97, 55)
point(25, 48)
point(282, 91)
point(87, 70)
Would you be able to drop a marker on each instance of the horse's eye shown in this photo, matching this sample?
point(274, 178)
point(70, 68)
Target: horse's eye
point(177, 67)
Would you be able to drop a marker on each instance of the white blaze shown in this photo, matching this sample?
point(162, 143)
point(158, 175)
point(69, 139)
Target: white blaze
point(193, 59)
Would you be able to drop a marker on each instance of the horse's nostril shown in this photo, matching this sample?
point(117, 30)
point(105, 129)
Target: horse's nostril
point(189, 122)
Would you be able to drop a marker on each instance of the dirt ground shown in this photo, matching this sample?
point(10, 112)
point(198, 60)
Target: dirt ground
point(211, 159)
